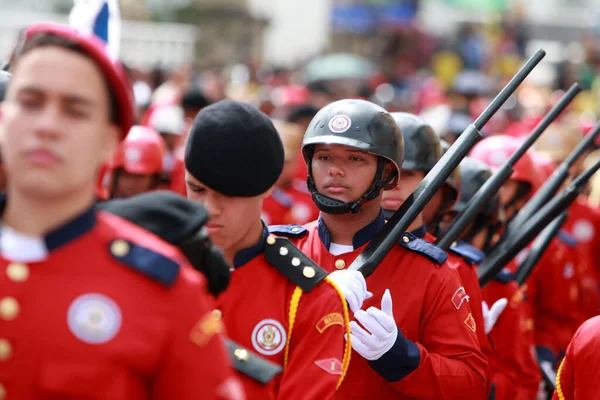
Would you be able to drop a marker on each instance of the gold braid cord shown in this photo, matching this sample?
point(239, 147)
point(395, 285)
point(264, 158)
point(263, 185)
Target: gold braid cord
point(559, 391)
point(291, 319)
point(348, 349)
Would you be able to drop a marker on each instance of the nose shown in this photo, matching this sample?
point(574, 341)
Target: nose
point(336, 170)
point(48, 123)
point(211, 204)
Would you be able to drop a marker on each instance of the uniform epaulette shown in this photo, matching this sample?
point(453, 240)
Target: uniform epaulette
point(294, 230)
point(411, 242)
point(292, 263)
point(471, 254)
point(567, 238)
point(248, 363)
point(505, 276)
point(146, 261)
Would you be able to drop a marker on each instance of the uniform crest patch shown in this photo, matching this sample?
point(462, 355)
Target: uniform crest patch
point(459, 297)
point(94, 318)
point(330, 365)
point(269, 337)
point(329, 320)
point(340, 123)
point(583, 230)
point(470, 322)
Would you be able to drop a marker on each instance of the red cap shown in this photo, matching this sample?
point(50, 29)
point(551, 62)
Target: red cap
point(141, 152)
point(112, 70)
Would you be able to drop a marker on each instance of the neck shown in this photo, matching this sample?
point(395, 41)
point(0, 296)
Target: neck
point(251, 238)
point(36, 216)
point(416, 224)
point(342, 228)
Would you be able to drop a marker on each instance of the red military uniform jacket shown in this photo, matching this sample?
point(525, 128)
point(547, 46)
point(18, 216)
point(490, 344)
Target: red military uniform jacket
point(518, 374)
point(444, 359)
point(289, 206)
point(113, 313)
point(300, 328)
point(583, 224)
point(578, 374)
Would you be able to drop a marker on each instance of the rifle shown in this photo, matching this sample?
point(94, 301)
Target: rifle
point(553, 183)
point(389, 235)
point(493, 184)
point(538, 248)
point(514, 242)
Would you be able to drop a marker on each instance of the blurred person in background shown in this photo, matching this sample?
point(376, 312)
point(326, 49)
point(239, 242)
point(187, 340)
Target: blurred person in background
point(4, 81)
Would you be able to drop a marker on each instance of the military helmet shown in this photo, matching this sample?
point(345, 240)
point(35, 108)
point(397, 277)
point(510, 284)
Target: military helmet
point(473, 175)
point(422, 148)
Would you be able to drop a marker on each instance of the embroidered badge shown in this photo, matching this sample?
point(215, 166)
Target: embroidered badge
point(583, 230)
point(94, 318)
point(269, 337)
point(470, 322)
point(208, 326)
point(459, 297)
point(329, 320)
point(340, 123)
point(330, 365)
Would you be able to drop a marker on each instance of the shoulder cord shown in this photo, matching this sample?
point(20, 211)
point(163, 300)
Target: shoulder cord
point(559, 391)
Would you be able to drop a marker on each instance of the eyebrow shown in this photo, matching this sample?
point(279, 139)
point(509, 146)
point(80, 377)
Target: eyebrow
point(349, 150)
point(70, 98)
point(190, 183)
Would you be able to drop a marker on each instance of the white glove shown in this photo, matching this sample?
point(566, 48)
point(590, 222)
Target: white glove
point(382, 328)
point(353, 286)
point(490, 315)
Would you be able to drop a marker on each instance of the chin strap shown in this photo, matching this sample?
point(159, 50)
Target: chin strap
point(330, 205)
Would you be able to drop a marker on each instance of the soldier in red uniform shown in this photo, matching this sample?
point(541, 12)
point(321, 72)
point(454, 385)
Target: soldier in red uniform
point(422, 151)
point(578, 374)
point(422, 344)
point(279, 303)
point(137, 163)
point(91, 306)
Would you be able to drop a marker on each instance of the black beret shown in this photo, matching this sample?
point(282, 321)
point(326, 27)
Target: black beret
point(166, 214)
point(234, 149)
point(4, 80)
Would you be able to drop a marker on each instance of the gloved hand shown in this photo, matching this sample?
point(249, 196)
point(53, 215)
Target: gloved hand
point(353, 286)
point(382, 327)
point(490, 315)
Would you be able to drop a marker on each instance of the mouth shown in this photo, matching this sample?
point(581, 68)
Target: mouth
point(42, 157)
point(391, 203)
point(213, 228)
point(335, 188)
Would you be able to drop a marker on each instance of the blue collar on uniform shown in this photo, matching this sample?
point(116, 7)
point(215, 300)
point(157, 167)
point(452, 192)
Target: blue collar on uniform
point(420, 232)
point(69, 231)
point(361, 237)
point(246, 255)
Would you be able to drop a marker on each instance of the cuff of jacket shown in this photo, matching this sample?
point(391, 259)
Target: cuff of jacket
point(545, 354)
point(402, 359)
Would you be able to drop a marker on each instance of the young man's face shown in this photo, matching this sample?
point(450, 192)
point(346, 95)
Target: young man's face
point(393, 199)
point(230, 218)
point(54, 123)
point(342, 172)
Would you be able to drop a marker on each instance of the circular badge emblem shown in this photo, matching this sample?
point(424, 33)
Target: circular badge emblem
point(583, 230)
point(340, 123)
point(94, 318)
point(269, 337)
point(133, 155)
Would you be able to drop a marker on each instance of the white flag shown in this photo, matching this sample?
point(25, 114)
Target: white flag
point(101, 18)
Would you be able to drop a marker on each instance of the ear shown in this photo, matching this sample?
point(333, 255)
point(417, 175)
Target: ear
point(111, 141)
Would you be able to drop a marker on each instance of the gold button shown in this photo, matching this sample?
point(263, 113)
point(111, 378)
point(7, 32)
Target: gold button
point(284, 251)
point(17, 272)
point(5, 349)
point(406, 239)
point(9, 308)
point(271, 240)
point(119, 248)
point(2, 392)
point(454, 244)
point(296, 262)
point(241, 354)
point(340, 264)
point(308, 272)
point(217, 314)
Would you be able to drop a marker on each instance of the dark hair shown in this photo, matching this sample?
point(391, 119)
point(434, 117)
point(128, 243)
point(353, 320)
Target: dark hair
point(194, 99)
point(47, 40)
point(302, 111)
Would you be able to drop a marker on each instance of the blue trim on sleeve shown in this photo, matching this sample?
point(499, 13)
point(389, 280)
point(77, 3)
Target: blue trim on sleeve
point(403, 358)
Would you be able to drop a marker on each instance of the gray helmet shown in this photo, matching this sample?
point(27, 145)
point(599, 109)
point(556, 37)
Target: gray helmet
point(421, 145)
point(360, 124)
point(4, 80)
point(473, 175)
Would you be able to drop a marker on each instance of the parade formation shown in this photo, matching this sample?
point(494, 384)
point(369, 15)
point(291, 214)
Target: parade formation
point(341, 250)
